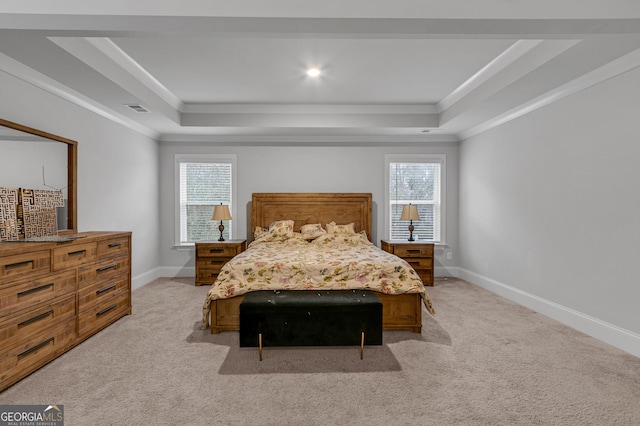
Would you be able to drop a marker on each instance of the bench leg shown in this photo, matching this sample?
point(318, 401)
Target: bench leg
point(260, 345)
point(362, 345)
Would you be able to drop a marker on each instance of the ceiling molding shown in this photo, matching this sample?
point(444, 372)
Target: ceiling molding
point(462, 9)
point(239, 140)
point(227, 108)
point(94, 25)
point(505, 59)
point(102, 56)
point(28, 75)
point(117, 55)
point(352, 120)
point(597, 76)
point(537, 55)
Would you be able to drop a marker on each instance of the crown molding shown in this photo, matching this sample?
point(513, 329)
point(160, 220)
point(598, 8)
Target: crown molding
point(324, 140)
point(516, 51)
point(592, 78)
point(230, 108)
point(28, 75)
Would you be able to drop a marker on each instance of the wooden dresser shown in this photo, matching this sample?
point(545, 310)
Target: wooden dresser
point(55, 295)
point(211, 257)
point(417, 253)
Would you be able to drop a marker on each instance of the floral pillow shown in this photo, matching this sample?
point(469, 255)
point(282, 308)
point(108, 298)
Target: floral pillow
point(349, 228)
point(337, 240)
point(259, 232)
point(281, 228)
point(312, 231)
point(292, 239)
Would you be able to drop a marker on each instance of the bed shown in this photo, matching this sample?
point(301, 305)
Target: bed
point(281, 257)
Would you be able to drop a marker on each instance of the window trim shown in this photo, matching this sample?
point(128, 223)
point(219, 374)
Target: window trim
point(202, 158)
point(417, 158)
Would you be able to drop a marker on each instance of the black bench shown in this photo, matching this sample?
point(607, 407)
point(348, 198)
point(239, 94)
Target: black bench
point(310, 318)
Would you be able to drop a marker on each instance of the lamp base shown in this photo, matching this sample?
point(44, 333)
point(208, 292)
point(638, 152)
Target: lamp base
point(411, 228)
point(221, 228)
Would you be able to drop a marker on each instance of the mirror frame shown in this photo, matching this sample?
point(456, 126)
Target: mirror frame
point(72, 171)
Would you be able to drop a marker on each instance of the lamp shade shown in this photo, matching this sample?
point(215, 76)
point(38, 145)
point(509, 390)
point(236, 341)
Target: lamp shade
point(410, 212)
point(221, 212)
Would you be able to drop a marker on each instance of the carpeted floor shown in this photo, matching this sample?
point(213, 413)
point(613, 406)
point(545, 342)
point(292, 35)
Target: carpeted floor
point(482, 360)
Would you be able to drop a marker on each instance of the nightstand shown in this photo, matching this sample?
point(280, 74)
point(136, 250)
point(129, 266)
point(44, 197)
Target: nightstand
point(417, 253)
point(211, 257)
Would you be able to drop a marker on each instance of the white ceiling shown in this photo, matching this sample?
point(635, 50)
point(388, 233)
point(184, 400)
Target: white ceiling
point(407, 70)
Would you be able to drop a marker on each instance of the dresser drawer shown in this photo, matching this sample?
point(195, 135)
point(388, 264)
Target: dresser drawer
point(223, 251)
point(103, 270)
point(208, 274)
point(29, 293)
point(413, 251)
point(37, 321)
point(101, 291)
point(103, 313)
point(70, 256)
point(419, 262)
point(25, 265)
point(114, 247)
point(26, 357)
point(212, 264)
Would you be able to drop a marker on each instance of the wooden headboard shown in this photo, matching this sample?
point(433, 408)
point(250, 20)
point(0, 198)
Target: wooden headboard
point(305, 208)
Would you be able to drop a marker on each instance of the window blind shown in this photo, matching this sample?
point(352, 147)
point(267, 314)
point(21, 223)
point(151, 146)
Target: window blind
point(202, 186)
point(418, 184)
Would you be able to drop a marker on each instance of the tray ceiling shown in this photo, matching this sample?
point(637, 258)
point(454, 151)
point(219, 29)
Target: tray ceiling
point(391, 71)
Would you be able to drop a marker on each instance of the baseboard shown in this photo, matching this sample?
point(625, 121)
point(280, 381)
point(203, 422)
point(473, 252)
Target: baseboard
point(608, 333)
point(145, 278)
point(163, 271)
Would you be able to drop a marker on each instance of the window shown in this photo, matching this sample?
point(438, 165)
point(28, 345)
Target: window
point(201, 182)
point(415, 180)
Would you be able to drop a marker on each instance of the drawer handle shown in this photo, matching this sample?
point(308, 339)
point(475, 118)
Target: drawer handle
point(36, 347)
point(413, 250)
point(19, 264)
point(35, 290)
point(116, 244)
point(414, 263)
point(216, 250)
point(77, 253)
point(35, 319)
point(105, 310)
point(107, 288)
point(104, 268)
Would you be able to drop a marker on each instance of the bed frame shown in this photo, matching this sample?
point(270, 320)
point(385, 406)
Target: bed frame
point(399, 312)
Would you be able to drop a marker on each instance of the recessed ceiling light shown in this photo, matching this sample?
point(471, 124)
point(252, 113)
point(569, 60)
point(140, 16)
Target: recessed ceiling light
point(313, 72)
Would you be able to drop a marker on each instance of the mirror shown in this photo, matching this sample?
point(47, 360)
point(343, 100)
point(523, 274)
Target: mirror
point(38, 160)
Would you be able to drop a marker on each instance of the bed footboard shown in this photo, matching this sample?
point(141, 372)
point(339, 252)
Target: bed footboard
point(399, 312)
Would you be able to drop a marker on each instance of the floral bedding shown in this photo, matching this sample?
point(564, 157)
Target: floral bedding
point(286, 261)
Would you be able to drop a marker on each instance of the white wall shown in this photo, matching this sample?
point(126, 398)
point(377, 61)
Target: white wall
point(117, 168)
point(549, 210)
point(300, 169)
